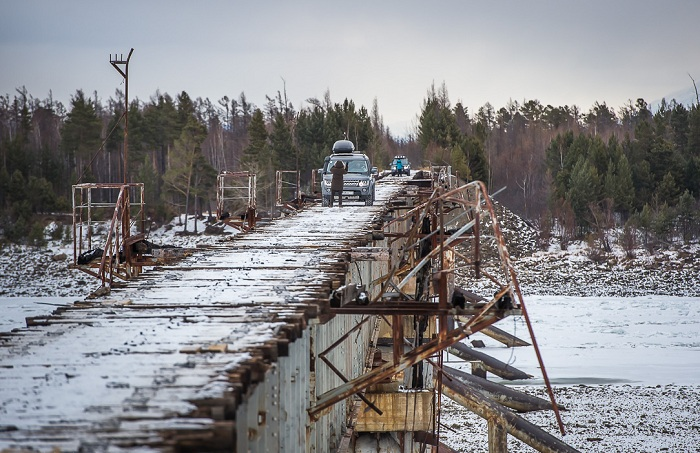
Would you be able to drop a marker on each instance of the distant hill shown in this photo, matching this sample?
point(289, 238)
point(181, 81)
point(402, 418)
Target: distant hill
point(685, 96)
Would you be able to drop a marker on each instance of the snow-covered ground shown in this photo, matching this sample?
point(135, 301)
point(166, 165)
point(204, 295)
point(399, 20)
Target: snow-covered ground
point(626, 368)
point(620, 340)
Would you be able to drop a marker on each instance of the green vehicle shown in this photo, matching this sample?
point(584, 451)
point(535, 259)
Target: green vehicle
point(358, 182)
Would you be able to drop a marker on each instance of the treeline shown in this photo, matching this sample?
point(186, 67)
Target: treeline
point(176, 147)
point(572, 172)
point(578, 174)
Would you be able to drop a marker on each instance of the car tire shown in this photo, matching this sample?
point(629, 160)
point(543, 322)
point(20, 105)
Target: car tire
point(369, 201)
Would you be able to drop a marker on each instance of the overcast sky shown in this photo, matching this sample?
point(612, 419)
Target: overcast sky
point(558, 52)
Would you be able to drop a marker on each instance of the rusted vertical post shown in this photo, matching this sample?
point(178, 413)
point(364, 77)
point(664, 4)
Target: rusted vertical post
point(477, 250)
point(75, 238)
point(143, 210)
point(397, 333)
point(89, 220)
point(126, 221)
point(442, 319)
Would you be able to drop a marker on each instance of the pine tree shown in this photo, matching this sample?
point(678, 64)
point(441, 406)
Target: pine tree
point(667, 191)
point(687, 213)
point(583, 190)
point(259, 159)
point(257, 154)
point(310, 139)
point(282, 144)
point(186, 165)
point(624, 188)
point(80, 136)
point(694, 132)
point(459, 163)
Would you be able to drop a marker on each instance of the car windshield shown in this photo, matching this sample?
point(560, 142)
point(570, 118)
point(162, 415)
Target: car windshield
point(354, 166)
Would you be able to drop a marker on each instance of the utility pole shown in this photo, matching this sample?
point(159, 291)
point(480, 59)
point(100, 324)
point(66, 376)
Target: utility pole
point(118, 63)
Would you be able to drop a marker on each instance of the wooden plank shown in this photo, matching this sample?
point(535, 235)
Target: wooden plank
point(404, 411)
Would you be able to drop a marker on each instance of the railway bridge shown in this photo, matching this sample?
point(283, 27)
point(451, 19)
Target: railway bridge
point(321, 331)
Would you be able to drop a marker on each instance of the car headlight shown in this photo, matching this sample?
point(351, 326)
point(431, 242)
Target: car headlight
point(363, 183)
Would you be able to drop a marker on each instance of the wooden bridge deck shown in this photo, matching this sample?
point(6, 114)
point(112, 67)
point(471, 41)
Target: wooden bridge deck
point(155, 365)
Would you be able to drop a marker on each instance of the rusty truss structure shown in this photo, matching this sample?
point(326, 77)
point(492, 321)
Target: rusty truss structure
point(108, 208)
point(434, 230)
point(236, 199)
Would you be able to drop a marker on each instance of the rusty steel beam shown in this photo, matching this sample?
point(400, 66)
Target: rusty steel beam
point(391, 308)
point(387, 370)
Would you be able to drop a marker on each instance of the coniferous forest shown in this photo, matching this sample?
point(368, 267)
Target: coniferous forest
point(572, 172)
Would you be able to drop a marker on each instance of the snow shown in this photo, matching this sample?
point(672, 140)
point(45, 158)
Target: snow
point(646, 340)
point(626, 368)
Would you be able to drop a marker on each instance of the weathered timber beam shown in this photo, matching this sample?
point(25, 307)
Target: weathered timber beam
point(504, 337)
point(495, 366)
point(516, 426)
point(501, 394)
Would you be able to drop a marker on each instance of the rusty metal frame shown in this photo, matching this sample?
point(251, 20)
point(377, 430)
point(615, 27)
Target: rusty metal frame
point(236, 186)
point(117, 258)
point(443, 177)
point(322, 356)
point(471, 206)
point(281, 186)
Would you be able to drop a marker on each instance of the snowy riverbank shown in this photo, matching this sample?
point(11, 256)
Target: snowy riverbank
point(626, 368)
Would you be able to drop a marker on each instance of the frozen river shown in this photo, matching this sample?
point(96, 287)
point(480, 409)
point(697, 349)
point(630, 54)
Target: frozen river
point(14, 310)
point(647, 340)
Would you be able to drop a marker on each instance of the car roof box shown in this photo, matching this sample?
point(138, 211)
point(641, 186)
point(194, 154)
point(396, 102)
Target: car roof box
point(343, 146)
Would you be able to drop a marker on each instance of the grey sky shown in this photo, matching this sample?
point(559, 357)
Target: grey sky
point(559, 52)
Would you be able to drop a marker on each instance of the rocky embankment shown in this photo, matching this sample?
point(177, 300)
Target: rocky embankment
point(581, 271)
point(41, 272)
